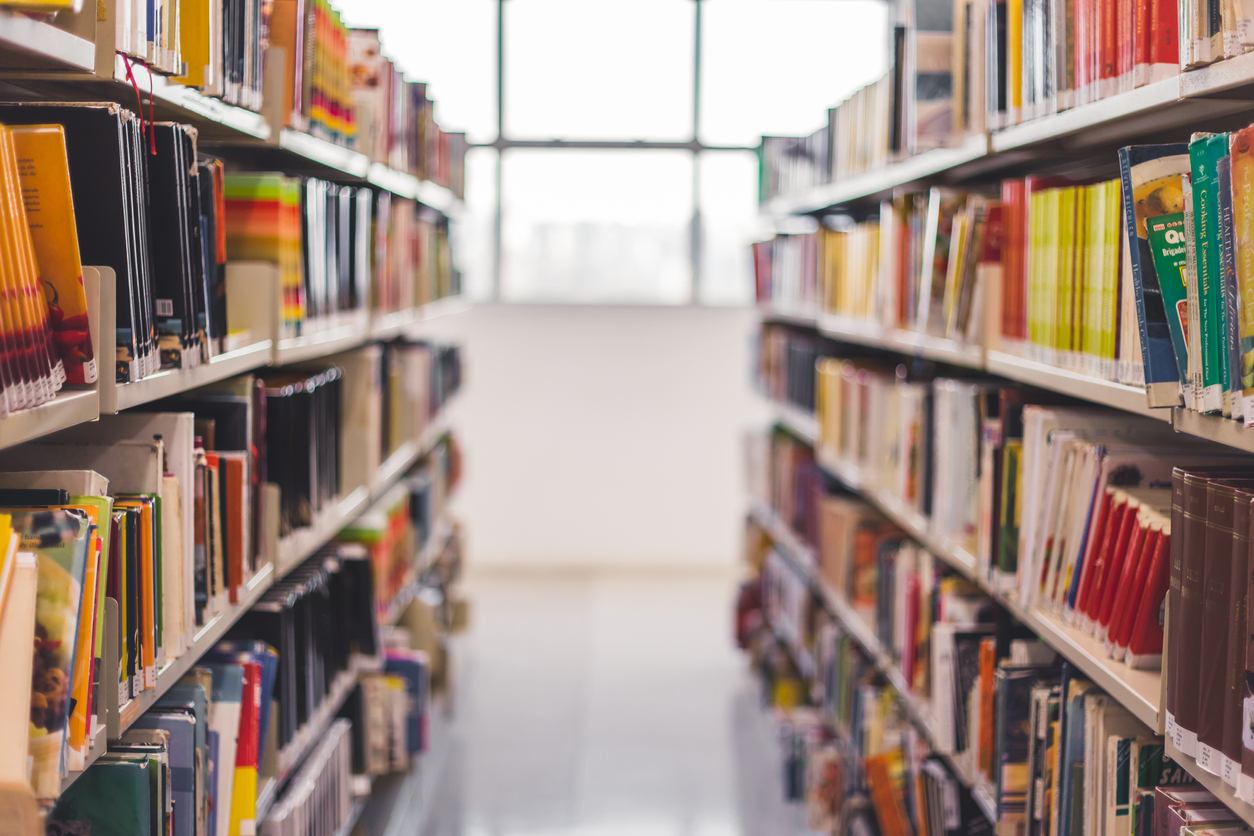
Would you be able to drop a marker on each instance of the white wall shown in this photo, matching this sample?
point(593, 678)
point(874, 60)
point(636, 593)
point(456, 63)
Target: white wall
point(603, 435)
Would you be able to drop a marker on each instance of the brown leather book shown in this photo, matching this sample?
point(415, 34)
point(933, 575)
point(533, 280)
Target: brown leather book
point(1238, 636)
point(1171, 652)
point(1212, 644)
point(1188, 545)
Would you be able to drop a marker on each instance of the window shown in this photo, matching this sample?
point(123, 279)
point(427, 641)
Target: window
point(626, 169)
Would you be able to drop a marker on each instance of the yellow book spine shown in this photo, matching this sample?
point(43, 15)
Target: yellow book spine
point(1014, 57)
point(44, 172)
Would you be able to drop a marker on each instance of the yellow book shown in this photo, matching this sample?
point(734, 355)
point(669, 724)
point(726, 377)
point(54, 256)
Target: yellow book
point(79, 722)
point(1036, 214)
point(44, 172)
point(194, 28)
point(1014, 59)
point(1064, 288)
point(1111, 271)
point(1094, 247)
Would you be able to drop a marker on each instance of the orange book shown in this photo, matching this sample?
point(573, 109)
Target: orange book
point(885, 779)
point(988, 673)
point(44, 172)
point(234, 477)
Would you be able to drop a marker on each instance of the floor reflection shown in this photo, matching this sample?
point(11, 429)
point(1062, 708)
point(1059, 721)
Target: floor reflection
point(605, 705)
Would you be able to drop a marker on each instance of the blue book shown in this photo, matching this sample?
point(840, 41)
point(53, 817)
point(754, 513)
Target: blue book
point(1151, 187)
point(414, 668)
point(182, 753)
point(1076, 692)
point(211, 780)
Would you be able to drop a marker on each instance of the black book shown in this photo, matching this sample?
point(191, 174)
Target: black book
point(172, 303)
point(105, 182)
point(18, 497)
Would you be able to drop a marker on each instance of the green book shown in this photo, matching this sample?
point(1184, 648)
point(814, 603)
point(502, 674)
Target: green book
point(1167, 246)
point(113, 798)
point(1204, 153)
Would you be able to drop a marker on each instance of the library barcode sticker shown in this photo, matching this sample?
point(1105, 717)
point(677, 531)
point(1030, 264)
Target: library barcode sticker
point(165, 307)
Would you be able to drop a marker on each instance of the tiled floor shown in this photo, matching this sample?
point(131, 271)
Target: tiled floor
point(606, 705)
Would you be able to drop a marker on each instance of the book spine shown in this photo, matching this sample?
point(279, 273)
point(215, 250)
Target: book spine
point(1237, 617)
point(1186, 665)
point(1216, 565)
point(1193, 291)
point(1228, 270)
point(1205, 238)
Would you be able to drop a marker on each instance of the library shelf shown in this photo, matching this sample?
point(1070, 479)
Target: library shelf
point(882, 181)
point(1137, 690)
point(442, 307)
point(99, 743)
point(354, 814)
point(292, 551)
point(917, 708)
point(797, 421)
point(801, 315)
point(1214, 428)
point(202, 641)
point(408, 454)
point(27, 42)
point(337, 335)
point(296, 547)
point(1112, 118)
point(69, 407)
point(438, 197)
point(325, 153)
point(115, 397)
point(398, 183)
point(292, 755)
point(389, 326)
point(1218, 787)
point(871, 334)
point(400, 802)
point(1045, 376)
point(801, 657)
point(434, 547)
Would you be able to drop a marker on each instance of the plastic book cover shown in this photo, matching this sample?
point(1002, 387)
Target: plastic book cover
point(1151, 177)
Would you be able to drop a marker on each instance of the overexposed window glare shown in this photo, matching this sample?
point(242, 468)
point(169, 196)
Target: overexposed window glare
point(774, 66)
point(599, 69)
point(449, 45)
point(596, 226)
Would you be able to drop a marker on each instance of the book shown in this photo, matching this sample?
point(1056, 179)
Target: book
point(1151, 188)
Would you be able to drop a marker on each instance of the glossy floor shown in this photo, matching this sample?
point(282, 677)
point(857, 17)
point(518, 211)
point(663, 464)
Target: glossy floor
point(606, 705)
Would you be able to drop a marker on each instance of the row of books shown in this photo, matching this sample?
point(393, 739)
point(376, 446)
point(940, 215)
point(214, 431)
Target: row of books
point(1063, 505)
point(167, 220)
point(394, 392)
point(977, 65)
point(982, 706)
point(402, 523)
point(396, 118)
point(171, 513)
point(783, 364)
point(334, 81)
point(312, 643)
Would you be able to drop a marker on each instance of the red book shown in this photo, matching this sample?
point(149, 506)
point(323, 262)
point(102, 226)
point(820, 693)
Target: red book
point(1113, 526)
point(1142, 9)
point(1108, 31)
point(1124, 44)
point(1013, 255)
point(1089, 565)
point(1130, 537)
point(1129, 594)
point(1083, 26)
point(1145, 642)
point(912, 628)
point(1164, 40)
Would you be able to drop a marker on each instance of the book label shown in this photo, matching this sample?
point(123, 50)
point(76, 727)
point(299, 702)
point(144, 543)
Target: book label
point(1185, 741)
point(1231, 772)
point(1209, 759)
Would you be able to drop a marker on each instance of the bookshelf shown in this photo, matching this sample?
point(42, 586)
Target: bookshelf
point(1138, 690)
point(29, 43)
point(802, 559)
point(292, 551)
